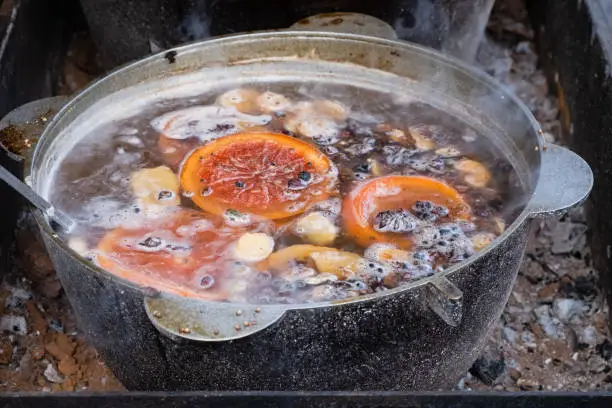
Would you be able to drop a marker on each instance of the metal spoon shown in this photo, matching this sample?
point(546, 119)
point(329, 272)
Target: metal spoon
point(53, 215)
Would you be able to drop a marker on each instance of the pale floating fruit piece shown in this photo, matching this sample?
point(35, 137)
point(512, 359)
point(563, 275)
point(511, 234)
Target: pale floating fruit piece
point(78, 245)
point(500, 225)
point(340, 263)
point(292, 123)
point(396, 135)
point(318, 126)
point(482, 240)
point(253, 247)
point(320, 279)
point(156, 186)
point(314, 119)
point(316, 229)
point(448, 151)
point(272, 102)
point(394, 254)
point(243, 99)
point(474, 173)
point(376, 168)
point(332, 109)
point(287, 257)
point(421, 141)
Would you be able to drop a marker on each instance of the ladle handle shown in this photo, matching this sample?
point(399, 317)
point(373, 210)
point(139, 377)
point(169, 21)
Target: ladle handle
point(564, 182)
point(24, 190)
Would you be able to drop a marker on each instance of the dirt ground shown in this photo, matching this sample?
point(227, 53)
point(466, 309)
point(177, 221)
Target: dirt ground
point(552, 335)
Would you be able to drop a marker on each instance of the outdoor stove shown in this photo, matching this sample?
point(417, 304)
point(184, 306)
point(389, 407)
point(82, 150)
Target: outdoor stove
point(159, 25)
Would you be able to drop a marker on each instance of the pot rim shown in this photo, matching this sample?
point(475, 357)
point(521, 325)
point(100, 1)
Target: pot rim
point(427, 53)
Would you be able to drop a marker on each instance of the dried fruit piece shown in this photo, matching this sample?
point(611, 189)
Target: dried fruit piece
point(253, 247)
point(320, 279)
point(332, 109)
point(324, 130)
point(156, 186)
point(386, 253)
point(474, 173)
point(318, 119)
point(376, 168)
point(272, 102)
point(396, 135)
point(316, 229)
point(482, 240)
point(256, 173)
point(448, 151)
point(340, 263)
point(285, 258)
point(243, 99)
point(500, 225)
point(421, 141)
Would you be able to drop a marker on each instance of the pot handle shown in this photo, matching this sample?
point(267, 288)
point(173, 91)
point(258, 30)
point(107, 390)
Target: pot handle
point(192, 319)
point(445, 299)
point(565, 182)
point(346, 23)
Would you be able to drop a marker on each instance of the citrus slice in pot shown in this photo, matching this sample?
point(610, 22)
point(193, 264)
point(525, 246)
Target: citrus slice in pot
point(381, 209)
point(184, 253)
point(267, 174)
point(183, 129)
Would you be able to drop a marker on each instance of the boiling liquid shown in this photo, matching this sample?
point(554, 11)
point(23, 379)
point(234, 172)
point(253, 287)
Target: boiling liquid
point(93, 185)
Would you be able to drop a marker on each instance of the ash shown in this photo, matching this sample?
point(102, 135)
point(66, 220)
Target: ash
point(553, 333)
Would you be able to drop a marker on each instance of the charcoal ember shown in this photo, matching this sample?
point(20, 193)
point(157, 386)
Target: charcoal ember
point(397, 221)
point(488, 368)
point(605, 349)
point(366, 146)
point(428, 211)
point(396, 154)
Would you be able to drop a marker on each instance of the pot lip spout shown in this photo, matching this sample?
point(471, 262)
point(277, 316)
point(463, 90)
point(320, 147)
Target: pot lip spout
point(312, 39)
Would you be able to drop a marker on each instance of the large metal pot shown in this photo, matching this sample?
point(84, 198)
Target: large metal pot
point(419, 337)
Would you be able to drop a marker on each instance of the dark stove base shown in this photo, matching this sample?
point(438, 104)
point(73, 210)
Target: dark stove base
point(311, 400)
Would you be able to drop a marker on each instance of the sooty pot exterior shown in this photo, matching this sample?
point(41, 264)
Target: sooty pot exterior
point(390, 343)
